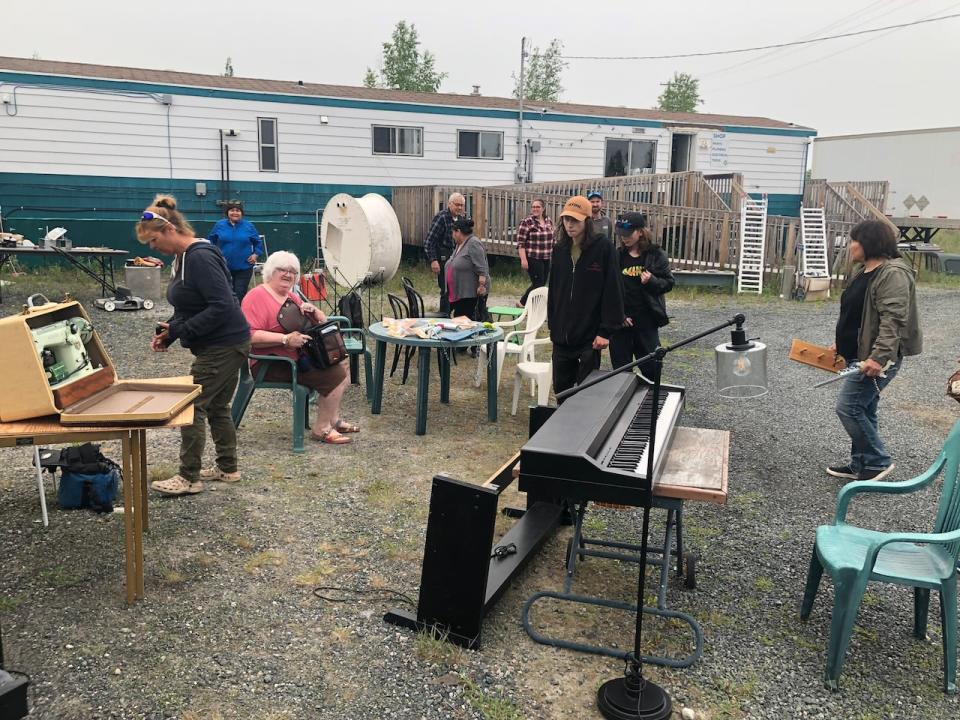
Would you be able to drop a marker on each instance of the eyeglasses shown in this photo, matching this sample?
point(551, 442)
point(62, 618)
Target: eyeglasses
point(287, 271)
point(147, 215)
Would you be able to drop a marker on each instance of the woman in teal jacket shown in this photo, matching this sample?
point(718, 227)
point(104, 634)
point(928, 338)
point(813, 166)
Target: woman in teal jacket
point(240, 244)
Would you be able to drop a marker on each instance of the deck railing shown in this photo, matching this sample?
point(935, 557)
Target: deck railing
point(694, 238)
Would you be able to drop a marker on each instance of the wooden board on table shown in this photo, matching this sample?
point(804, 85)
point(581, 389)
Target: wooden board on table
point(816, 356)
point(697, 466)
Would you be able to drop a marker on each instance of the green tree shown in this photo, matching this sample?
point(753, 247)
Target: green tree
point(681, 94)
point(403, 66)
point(228, 68)
point(543, 74)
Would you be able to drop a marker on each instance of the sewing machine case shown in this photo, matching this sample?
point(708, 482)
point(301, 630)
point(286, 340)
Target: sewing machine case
point(98, 398)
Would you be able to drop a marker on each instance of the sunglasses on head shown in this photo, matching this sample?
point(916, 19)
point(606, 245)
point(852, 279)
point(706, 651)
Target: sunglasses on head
point(147, 215)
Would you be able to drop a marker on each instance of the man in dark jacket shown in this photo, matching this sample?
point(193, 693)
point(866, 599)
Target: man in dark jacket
point(601, 221)
point(584, 305)
point(439, 243)
point(646, 277)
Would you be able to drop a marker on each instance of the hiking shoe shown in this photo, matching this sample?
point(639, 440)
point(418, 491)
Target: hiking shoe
point(843, 471)
point(177, 485)
point(217, 475)
point(875, 474)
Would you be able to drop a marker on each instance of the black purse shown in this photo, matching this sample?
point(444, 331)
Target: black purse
point(325, 348)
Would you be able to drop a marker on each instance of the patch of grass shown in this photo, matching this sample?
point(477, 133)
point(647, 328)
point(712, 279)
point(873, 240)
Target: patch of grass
point(59, 576)
point(161, 472)
point(339, 635)
point(380, 491)
point(171, 576)
point(240, 541)
point(490, 708)
point(8, 604)
point(594, 525)
point(316, 574)
point(431, 646)
point(805, 643)
point(763, 584)
point(268, 558)
point(948, 240)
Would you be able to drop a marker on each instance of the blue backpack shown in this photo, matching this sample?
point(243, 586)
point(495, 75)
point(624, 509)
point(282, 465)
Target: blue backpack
point(88, 479)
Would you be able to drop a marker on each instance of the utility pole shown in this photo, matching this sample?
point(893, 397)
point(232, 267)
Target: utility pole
point(521, 173)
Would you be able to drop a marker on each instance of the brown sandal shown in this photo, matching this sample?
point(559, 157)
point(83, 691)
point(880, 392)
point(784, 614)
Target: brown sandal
point(331, 437)
point(342, 426)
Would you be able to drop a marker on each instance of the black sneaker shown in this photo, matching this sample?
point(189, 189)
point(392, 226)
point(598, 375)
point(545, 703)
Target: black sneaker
point(842, 471)
point(875, 474)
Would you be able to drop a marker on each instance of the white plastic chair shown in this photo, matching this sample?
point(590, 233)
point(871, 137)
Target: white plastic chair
point(540, 374)
point(534, 315)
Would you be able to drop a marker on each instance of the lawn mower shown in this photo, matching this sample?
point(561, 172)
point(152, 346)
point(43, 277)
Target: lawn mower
point(123, 299)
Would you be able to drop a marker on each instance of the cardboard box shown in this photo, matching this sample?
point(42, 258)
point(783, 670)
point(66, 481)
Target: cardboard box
point(95, 397)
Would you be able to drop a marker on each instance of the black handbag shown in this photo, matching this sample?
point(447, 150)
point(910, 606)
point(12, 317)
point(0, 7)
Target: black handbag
point(325, 348)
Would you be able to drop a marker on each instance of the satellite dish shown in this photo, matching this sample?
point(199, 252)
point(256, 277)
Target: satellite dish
point(360, 239)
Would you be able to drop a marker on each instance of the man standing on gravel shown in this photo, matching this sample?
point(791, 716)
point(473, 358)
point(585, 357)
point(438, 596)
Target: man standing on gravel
point(439, 243)
point(878, 326)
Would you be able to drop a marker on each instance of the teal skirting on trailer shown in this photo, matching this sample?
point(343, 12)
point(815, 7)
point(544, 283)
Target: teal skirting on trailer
point(102, 211)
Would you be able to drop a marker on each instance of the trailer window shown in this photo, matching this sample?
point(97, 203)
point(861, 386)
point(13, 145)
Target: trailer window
point(397, 140)
point(629, 157)
point(479, 144)
point(267, 134)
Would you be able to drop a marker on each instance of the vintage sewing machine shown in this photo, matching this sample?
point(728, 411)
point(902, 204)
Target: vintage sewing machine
point(54, 364)
point(62, 349)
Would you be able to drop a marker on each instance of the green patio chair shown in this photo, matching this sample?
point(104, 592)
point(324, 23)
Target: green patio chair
point(924, 561)
point(355, 341)
point(253, 381)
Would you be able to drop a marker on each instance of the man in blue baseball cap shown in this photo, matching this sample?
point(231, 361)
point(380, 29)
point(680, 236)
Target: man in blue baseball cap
point(601, 222)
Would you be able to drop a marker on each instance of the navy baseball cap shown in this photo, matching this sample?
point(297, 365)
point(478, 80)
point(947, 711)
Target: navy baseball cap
point(628, 222)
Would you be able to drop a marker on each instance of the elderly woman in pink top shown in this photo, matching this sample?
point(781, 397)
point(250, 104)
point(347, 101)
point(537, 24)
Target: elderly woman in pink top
point(260, 306)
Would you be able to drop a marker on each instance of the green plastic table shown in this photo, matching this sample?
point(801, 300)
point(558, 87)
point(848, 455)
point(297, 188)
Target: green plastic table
point(501, 310)
point(424, 348)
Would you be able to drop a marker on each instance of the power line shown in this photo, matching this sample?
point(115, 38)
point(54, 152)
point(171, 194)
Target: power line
point(759, 47)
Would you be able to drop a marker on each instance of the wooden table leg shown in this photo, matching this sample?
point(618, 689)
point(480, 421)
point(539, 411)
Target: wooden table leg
point(378, 368)
point(492, 382)
point(138, 503)
point(144, 495)
point(423, 388)
point(129, 510)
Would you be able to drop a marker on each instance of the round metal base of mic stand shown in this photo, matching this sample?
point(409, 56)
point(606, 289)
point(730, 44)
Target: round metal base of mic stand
point(633, 698)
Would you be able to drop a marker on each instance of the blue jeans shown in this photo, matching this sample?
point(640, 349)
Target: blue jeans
point(857, 410)
point(241, 282)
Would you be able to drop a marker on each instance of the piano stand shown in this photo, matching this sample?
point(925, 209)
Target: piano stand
point(577, 547)
point(464, 573)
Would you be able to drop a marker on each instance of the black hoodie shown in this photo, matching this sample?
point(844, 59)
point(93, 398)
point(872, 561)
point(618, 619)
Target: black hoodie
point(205, 310)
point(584, 301)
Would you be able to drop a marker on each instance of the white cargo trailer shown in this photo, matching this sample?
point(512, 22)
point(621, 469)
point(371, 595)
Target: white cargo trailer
point(922, 167)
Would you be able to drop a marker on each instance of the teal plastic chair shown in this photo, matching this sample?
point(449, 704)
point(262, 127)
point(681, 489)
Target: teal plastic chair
point(249, 382)
point(355, 341)
point(925, 561)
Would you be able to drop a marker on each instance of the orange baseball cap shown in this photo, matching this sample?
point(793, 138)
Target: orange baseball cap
point(577, 207)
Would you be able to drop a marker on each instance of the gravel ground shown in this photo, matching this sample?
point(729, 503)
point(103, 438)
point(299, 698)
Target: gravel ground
point(231, 628)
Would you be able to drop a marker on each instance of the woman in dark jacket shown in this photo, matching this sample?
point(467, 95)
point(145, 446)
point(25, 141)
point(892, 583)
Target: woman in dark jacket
point(208, 322)
point(240, 244)
point(646, 277)
point(584, 305)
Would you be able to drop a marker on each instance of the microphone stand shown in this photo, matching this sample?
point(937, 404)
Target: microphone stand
point(632, 697)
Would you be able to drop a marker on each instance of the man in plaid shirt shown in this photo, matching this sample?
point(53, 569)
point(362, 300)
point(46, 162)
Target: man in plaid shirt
point(534, 245)
point(439, 243)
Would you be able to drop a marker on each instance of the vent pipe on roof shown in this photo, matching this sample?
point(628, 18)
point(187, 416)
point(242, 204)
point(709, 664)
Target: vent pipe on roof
point(476, 90)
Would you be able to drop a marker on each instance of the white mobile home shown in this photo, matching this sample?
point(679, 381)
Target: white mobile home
point(86, 146)
point(922, 167)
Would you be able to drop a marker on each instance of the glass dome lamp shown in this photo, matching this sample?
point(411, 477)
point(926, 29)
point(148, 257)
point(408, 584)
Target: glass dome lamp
point(741, 365)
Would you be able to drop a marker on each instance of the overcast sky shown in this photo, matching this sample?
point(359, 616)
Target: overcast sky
point(894, 80)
